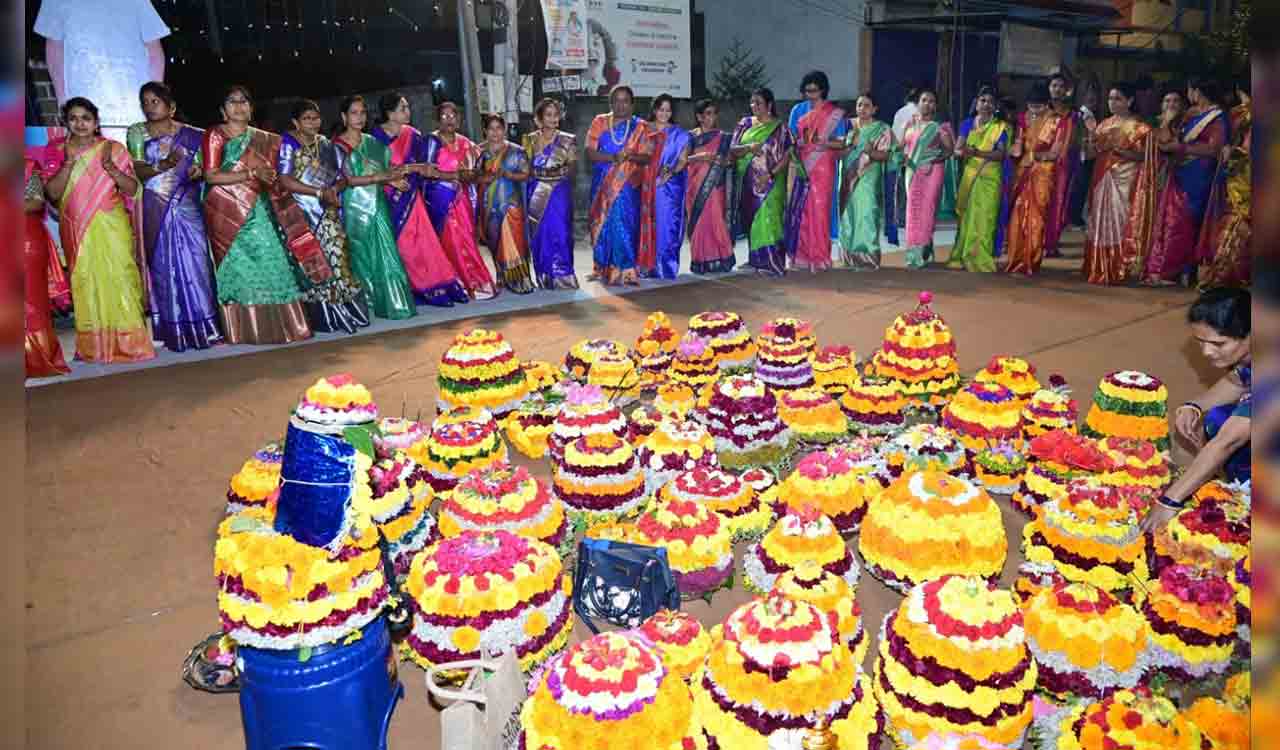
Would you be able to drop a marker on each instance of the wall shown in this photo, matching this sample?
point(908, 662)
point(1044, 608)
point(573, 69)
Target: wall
point(792, 37)
point(1158, 14)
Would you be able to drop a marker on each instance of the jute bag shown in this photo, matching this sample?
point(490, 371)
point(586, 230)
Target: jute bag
point(498, 686)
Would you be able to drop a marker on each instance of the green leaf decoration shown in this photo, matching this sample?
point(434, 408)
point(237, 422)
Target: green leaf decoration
point(304, 654)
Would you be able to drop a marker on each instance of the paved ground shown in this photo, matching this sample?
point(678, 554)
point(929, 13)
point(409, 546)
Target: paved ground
point(127, 474)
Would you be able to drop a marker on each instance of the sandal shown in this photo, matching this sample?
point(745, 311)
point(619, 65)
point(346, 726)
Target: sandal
point(211, 665)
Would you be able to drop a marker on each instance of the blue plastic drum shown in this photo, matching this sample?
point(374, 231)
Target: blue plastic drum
point(341, 698)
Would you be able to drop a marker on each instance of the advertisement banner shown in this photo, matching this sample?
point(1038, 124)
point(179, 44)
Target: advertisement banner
point(642, 43)
point(566, 22)
point(1029, 51)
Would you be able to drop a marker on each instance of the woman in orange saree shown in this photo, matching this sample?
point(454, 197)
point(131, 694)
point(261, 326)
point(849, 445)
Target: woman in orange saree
point(1035, 151)
point(1224, 238)
point(107, 269)
point(1122, 193)
point(43, 351)
point(504, 168)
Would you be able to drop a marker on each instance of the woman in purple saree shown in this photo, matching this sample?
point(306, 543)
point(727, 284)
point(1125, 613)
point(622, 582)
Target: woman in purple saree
point(549, 199)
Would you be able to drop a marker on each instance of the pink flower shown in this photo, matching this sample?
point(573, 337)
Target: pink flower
point(692, 347)
point(582, 395)
point(341, 379)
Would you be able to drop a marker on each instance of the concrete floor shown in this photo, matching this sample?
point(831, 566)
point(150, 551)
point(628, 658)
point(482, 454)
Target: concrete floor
point(127, 474)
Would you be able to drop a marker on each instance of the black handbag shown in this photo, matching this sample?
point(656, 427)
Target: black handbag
point(622, 583)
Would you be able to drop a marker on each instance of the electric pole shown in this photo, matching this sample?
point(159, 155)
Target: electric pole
point(469, 54)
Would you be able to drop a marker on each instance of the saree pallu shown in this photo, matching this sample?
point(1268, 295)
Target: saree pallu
point(1121, 202)
point(1067, 170)
point(184, 314)
point(432, 276)
point(1030, 198)
point(375, 259)
point(1223, 249)
point(616, 198)
point(662, 207)
point(921, 188)
point(761, 196)
point(43, 350)
point(809, 211)
point(106, 283)
point(550, 211)
point(502, 222)
point(452, 206)
point(337, 304)
point(1184, 200)
point(798, 112)
point(710, 244)
point(979, 197)
point(259, 299)
point(861, 195)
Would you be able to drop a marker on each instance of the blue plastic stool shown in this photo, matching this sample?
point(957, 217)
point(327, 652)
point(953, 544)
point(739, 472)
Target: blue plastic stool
point(341, 698)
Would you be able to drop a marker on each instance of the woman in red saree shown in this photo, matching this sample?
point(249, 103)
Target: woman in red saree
point(107, 267)
point(451, 200)
point(1121, 193)
point(1224, 238)
point(819, 140)
point(43, 351)
point(1036, 151)
point(710, 244)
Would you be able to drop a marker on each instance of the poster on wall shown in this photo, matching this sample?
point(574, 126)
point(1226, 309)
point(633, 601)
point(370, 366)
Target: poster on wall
point(642, 43)
point(1029, 51)
point(566, 23)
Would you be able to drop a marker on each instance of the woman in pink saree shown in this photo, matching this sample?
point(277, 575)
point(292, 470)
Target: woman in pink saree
point(819, 140)
point(451, 201)
point(107, 270)
point(926, 145)
point(706, 199)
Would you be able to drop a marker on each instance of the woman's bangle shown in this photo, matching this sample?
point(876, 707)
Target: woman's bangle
point(1172, 504)
point(1199, 409)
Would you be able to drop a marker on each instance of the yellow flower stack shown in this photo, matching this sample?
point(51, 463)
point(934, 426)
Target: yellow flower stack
point(586, 411)
point(508, 498)
point(1192, 615)
point(1212, 535)
point(874, 406)
point(1130, 404)
point(1014, 373)
point(1086, 643)
point(729, 339)
point(918, 356)
point(928, 524)
point(699, 545)
point(725, 494)
point(801, 536)
point(983, 414)
point(336, 401)
point(837, 481)
point(617, 376)
point(1225, 721)
point(540, 374)
point(480, 369)
point(675, 399)
point(812, 415)
point(400, 496)
point(529, 428)
point(580, 357)
point(599, 479)
point(834, 597)
point(463, 439)
point(926, 447)
point(675, 446)
point(778, 663)
point(694, 365)
point(954, 660)
point(655, 348)
point(1048, 410)
point(611, 691)
point(257, 484)
point(835, 370)
point(679, 639)
point(487, 593)
point(1136, 719)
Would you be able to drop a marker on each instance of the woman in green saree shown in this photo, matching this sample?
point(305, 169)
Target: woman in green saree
point(762, 149)
point(982, 143)
point(862, 190)
point(375, 258)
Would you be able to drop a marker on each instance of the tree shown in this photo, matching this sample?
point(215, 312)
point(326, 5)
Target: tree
point(741, 72)
point(1224, 53)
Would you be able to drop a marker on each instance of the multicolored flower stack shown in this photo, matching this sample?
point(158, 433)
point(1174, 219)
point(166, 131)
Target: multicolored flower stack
point(641, 423)
point(983, 414)
point(675, 400)
point(257, 484)
point(599, 479)
point(1130, 404)
point(918, 356)
point(778, 663)
point(607, 692)
point(505, 498)
point(835, 483)
point(1212, 535)
point(336, 401)
point(1014, 373)
point(1049, 410)
point(674, 447)
point(1192, 615)
point(586, 411)
point(926, 447)
point(580, 357)
point(928, 524)
point(699, 545)
point(999, 468)
point(617, 376)
point(954, 660)
point(725, 494)
point(728, 337)
point(679, 639)
point(462, 440)
point(835, 370)
point(528, 428)
point(812, 415)
point(833, 596)
point(480, 369)
point(784, 354)
point(402, 435)
point(743, 419)
point(1136, 719)
point(875, 406)
point(487, 593)
point(400, 496)
point(1086, 643)
point(801, 536)
point(694, 365)
point(765, 483)
point(1053, 460)
point(655, 348)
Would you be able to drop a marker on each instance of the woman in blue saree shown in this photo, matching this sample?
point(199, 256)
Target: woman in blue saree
point(549, 198)
point(618, 147)
point(504, 167)
point(166, 158)
point(662, 210)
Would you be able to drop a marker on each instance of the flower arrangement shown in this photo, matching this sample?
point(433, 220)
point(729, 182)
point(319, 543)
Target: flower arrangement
point(506, 498)
point(463, 439)
point(1212, 535)
point(480, 369)
point(1014, 373)
point(926, 447)
point(833, 596)
point(586, 411)
point(1032, 579)
point(777, 663)
point(1054, 459)
point(337, 400)
point(599, 479)
point(812, 415)
point(726, 495)
point(765, 484)
point(401, 435)
point(658, 329)
point(540, 374)
point(957, 742)
point(641, 423)
point(835, 483)
point(1138, 465)
point(655, 349)
point(954, 660)
point(674, 446)
point(835, 370)
point(929, 524)
point(484, 592)
point(1137, 719)
point(918, 356)
point(983, 413)
point(1130, 404)
point(675, 400)
point(275, 592)
point(1049, 410)
point(785, 353)
point(1000, 468)
point(1090, 536)
point(875, 406)
point(607, 692)
point(742, 417)
point(1192, 616)
point(257, 484)
point(679, 639)
point(1085, 642)
point(617, 376)
point(694, 365)
point(529, 428)
point(400, 496)
point(728, 337)
point(580, 357)
point(1225, 721)
point(699, 545)
point(799, 537)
